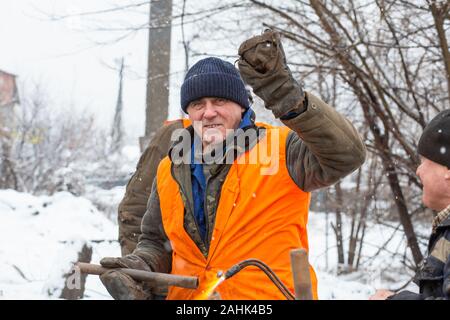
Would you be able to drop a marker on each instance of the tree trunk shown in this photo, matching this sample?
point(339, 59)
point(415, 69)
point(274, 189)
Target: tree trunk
point(354, 232)
point(73, 291)
point(338, 227)
point(439, 15)
point(403, 213)
point(370, 97)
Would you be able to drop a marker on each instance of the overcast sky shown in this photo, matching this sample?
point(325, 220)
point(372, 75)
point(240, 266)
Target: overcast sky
point(63, 57)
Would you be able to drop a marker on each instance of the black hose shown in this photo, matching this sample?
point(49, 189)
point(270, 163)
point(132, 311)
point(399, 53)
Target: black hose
point(266, 269)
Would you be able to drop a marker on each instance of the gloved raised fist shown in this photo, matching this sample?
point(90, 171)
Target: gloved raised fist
point(262, 64)
point(120, 285)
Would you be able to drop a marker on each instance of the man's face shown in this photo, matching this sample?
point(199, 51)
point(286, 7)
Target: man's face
point(436, 184)
point(212, 117)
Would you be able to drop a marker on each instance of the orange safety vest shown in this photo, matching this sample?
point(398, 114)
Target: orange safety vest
point(258, 216)
point(186, 122)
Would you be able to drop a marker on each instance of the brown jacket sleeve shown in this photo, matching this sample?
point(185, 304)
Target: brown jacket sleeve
point(154, 246)
point(133, 205)
point(323, 147)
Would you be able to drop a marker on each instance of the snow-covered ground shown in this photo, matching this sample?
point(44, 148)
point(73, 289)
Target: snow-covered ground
point(39, 239)
point(379, 268)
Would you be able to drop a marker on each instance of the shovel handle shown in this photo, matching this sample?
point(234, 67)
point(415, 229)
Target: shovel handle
point(300, 272)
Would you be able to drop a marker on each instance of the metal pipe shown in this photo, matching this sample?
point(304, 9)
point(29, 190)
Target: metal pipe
point(154, 278)
point(300, 272)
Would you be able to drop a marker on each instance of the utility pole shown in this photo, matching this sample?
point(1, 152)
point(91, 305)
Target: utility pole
point(116, 130)
point(158, 68)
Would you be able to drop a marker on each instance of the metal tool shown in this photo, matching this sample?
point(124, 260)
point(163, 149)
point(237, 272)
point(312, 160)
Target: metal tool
point(154, 278)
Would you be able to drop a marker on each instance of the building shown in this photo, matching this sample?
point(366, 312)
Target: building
point(9, 98)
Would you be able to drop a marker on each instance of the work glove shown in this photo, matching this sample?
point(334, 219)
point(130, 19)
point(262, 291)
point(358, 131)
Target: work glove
point(405, 295)
point(122, 286)
point(262, 64)
point(130, 261)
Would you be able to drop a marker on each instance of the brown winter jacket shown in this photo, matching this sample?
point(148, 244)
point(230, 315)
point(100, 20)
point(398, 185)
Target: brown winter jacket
point(134, 203)
point(322, 148)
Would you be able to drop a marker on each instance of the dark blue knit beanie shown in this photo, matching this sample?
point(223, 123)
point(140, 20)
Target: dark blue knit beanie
point(434, 144)
point(213, 77)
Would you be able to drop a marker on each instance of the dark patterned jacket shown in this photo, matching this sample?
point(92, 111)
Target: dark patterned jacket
point(433, 276)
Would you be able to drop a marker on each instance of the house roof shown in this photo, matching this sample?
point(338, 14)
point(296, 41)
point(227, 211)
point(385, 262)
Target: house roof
point(8, 73)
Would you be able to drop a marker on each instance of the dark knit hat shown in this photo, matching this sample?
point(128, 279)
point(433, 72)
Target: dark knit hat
point(213, 77)
point(434, 144)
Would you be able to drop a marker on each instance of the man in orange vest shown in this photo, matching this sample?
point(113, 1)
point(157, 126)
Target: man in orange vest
point(231, 189)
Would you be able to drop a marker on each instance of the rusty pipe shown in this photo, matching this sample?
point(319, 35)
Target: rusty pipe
point(300, 272)
point(153, 278)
